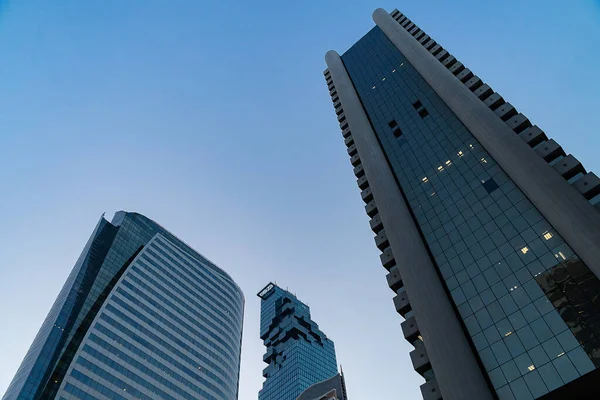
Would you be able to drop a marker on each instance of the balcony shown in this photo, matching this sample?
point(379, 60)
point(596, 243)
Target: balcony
point(549, 150)
point(429, 44)
point(393, 279)
point(449, 61)
point(506, 111)
point(410, 330)
point(362, 182)
point(351, 150)
point(376, 224)
point(420, 360)
point(355, 160)
point(483, 91)
point(494, 101)
point(349, 141)
point(359, 171)
point(588, 185)
point(465, 75)
point(533, 136)
point(436, 49)
point(441, 56)
point(568, 167)
point(381, 240)
point(401, 303)
point(518, 123)
point(474, 83)
point(371, 208)
point(387, 258)
point(430, 390)
point(366, 195)
point(457, 68)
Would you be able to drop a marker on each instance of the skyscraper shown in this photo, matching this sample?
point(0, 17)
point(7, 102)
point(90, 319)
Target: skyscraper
point(142, 315)
point(298, 353)
point(489, 230)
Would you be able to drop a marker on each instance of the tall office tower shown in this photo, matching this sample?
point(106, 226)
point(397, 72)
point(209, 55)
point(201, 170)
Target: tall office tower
point(488, 229)
point(141, 316)
point(298, 353)
point(333, 388)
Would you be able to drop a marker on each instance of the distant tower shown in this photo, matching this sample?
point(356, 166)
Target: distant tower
point(490, 231)
point(141, 316)
point(298, 353)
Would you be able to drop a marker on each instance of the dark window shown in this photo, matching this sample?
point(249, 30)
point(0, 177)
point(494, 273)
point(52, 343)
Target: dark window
point(423, 113)
point(392, 123)
point(397, 133)
point(490, 185)
point(417, 105)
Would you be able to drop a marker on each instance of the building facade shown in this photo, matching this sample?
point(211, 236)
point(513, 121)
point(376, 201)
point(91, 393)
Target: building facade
point(333, 388)
point(142, 315)
point(298, 353)
point(489, 230)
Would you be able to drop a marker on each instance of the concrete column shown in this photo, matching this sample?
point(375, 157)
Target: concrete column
point(454, 364)
point(568, 211)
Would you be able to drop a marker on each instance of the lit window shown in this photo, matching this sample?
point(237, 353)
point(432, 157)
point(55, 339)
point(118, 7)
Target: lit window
point(531, 367)
point(508, 333)
point(471, 146)
point(524, 250)
point(393, 70)
point(448, 162)
point(513, 288)
point(401, 64)
point(548, 235)
point(432, 194)
point(483, 160)
point(561, 354)
point(373, 87)
point(460, 153)
point(561, 255)
point(383, 80)
point(425, 179)
point(440, 168)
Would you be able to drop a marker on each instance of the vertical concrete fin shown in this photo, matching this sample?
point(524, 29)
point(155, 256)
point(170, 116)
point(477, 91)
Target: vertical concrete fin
point(445, 341)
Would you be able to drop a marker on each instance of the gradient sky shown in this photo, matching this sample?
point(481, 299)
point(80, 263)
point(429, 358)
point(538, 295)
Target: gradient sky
point(213, 119)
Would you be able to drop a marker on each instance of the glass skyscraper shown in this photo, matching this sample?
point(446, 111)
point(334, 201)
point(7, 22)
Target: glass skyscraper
point(490, 231)
point(141, 316)
point(298, 353)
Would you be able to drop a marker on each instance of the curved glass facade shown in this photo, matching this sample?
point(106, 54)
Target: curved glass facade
point(155, 319)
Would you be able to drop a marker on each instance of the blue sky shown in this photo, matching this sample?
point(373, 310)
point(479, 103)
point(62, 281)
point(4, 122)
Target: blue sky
point(213, 118)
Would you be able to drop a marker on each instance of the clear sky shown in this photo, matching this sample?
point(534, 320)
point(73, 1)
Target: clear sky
point(213, 118)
